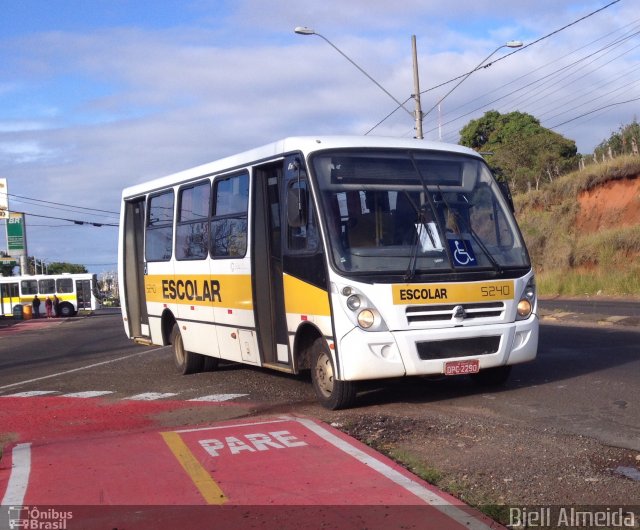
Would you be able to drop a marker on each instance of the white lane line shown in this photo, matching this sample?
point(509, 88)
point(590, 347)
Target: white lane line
point(88, 394)
point(32, 393)
point(218, 427)
point(430, 497)
point(151, 396)
point(217, 398)
point(89, 366)
point(19, 477)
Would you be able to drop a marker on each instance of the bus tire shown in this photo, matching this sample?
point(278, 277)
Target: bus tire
point(210, 364)
point(66, 310)
point(492, 376)
point(186, 362)
point(331, 393)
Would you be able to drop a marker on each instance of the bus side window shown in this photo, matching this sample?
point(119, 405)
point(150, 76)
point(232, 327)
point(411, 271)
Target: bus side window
point(47, 286)
point(64, 285)
point(159, 233)
point(229, 217)
point(192, 230)
point(29, 287)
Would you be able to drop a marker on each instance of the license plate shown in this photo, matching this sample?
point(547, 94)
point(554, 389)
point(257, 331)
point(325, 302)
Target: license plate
point(471, 366)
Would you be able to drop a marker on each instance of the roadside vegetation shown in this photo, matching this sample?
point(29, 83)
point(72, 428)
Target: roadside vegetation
point(570, 260)
point(578, 248)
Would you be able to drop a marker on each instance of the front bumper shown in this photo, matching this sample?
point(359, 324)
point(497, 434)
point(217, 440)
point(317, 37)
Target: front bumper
point(376, 355)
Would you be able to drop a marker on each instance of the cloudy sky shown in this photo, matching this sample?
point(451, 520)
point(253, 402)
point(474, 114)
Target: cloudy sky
point(101, 94)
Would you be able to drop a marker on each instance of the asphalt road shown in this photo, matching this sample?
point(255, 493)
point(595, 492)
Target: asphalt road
point(627, 308)
point(586, 380)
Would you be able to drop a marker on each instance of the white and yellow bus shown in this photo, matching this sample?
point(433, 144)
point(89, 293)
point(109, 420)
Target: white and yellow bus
point(75, 292)
point(353, 257)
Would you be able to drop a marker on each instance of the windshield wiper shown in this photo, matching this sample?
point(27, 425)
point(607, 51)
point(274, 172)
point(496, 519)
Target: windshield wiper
point(422, 226)
point(498, 268)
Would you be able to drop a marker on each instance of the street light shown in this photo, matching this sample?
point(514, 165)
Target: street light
point(302, 30)
point(509, 44)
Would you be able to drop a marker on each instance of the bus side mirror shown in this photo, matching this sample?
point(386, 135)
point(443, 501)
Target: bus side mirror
point(297, 207)
point(506, 193)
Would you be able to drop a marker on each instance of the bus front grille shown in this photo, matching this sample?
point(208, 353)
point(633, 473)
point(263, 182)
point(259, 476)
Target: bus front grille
point(446, 349)
point(446, 312)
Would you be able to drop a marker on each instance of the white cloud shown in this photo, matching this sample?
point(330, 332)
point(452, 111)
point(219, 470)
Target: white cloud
point(141, 103)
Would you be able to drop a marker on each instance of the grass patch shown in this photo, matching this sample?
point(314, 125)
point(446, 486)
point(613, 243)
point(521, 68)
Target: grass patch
point(408, 460)
point(572, 263)
point(416, 466)
point(600, 282)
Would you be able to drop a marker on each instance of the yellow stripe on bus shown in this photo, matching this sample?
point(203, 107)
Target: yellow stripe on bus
point(221, 290)
point(305, 299)
point(453, 293)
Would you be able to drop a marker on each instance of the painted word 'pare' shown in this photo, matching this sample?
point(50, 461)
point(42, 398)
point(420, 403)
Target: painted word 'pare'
point(251, 443)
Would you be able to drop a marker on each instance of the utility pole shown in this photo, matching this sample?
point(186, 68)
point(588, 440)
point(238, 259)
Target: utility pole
point(416, 89)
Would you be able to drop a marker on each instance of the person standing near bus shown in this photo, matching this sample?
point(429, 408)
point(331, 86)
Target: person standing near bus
point(56, 306)
point(36, 306)
point(48, 305)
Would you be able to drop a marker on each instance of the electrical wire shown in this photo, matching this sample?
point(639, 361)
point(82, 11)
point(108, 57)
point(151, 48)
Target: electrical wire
point(31, 200)
point(548, 35)
point(595, 110)
point(535, 86)
point(75, 221)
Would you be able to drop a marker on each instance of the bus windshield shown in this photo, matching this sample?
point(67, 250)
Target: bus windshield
point(415, 213)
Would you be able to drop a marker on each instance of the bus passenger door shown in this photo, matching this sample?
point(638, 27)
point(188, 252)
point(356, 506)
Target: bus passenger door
point(134, 268)
point(83, 290)
point(8, 298)
point(268, 288)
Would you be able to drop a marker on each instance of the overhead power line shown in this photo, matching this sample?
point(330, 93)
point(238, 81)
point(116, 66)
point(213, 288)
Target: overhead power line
point(523, 47)
point(461, 76)
point(594, 110)
point(74, 221)
point(31, 199)
point(538, 89)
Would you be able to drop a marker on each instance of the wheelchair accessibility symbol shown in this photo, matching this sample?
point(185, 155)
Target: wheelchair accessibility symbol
point(462, 253)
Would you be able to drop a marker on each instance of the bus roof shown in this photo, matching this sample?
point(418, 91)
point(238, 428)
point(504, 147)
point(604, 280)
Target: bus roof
point(306, 144)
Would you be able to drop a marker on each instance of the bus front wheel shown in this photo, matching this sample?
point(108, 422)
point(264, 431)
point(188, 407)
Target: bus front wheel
point(331, 393)
point(186, 362)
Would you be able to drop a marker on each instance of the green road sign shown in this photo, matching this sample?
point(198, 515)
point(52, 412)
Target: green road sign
point(16, 244)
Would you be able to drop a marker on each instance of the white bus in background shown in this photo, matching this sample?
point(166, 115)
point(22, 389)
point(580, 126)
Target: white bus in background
point(75, 292)
point(353, 257)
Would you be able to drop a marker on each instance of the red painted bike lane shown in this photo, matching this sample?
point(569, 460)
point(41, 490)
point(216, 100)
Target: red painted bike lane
point(284, 471)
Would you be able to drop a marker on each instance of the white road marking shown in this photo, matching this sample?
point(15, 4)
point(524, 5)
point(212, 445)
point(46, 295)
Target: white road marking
point(19, 477)
point(32, 393)
point(151, 396)
point(145, 396)
point(79, 369)
point(88, 394)
point(430, 497)
point(217, 398)
point(217, 427)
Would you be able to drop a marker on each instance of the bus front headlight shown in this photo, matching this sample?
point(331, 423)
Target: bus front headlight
point(359, 309)
point(524, 308)
point(527, 301)
point(354, 302)
point(366, 318)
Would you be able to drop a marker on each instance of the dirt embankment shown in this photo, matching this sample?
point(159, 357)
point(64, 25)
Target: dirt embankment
point(613, 204)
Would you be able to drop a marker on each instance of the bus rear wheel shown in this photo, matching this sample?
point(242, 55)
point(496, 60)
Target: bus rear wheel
point(186, 362)
point(66, 310)
point(331, 393)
